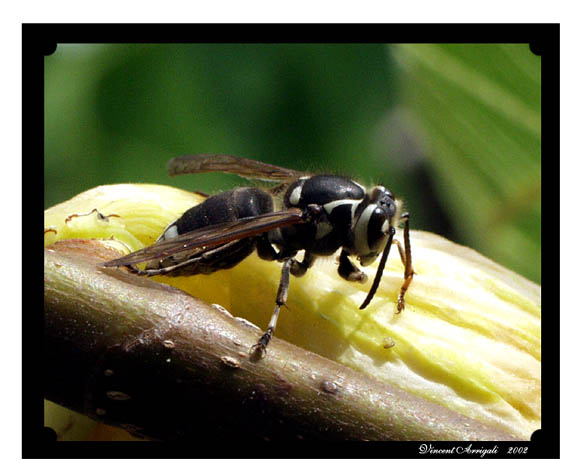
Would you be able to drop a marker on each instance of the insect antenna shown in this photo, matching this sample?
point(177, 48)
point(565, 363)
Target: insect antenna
point(380, 269)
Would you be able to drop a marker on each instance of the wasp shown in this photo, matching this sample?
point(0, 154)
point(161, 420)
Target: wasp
point(317, 214)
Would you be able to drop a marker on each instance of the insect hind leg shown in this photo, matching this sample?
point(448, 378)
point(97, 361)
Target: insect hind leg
point(167, 270)
point(207, 262)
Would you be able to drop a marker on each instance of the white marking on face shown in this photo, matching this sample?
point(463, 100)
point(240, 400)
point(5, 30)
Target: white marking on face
point(385, 227)
point(295, 195)
point(361, 241)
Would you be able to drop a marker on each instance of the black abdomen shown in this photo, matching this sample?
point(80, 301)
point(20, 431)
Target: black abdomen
point(226, 207)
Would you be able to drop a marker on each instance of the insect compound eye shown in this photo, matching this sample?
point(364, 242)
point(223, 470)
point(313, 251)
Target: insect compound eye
point(376, 230)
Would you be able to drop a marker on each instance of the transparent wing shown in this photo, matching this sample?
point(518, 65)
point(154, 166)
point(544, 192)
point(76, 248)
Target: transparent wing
point(195, 164)
point(212, 236)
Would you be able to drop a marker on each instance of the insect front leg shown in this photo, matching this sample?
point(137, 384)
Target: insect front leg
point(349, 271)
point(407, 261)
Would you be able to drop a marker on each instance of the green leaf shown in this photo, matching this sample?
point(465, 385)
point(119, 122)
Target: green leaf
point(479, 107)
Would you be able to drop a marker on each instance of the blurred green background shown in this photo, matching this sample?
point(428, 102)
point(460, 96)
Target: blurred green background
point(453, 129)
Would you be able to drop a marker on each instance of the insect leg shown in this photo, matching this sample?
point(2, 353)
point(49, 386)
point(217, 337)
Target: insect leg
point(349, 271)
point(265, 250)
point(281, 298)
point(401, 250)
point(299, 268)
point(222, 257)
point(409, 271)
point(165, 270)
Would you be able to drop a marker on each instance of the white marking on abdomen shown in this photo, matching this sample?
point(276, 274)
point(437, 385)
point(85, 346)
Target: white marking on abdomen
point(170, 232)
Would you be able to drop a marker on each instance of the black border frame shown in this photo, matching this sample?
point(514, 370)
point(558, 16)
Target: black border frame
point(39, 40)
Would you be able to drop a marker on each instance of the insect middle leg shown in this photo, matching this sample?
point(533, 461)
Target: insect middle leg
point(298, 268)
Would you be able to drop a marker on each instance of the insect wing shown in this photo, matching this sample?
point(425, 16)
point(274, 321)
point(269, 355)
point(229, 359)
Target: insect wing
point(213, 236)
point(201, 163)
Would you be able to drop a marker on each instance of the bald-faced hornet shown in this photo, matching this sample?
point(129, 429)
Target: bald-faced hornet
point(319, 214)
